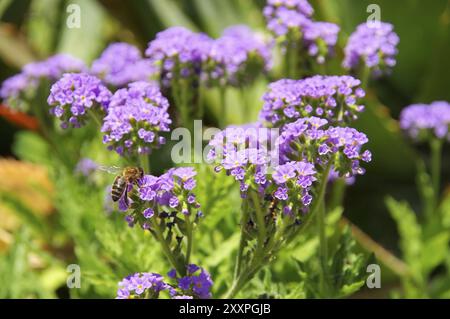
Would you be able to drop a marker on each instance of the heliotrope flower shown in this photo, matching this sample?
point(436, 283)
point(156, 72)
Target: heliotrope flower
point(313, 140)
point(72, 96)
point(236, 58)
point(197, 283)
point(178, 53)
point(286, 19)
point(122, 63)
point(423, 121)
point(164, 197)
point(20, 88)
point(172, 190)
point(135, 118)
point(141, 286)
point(373, 46)
point(335, 98)
point(53, 67)
point(320, 39)
point(246, 155)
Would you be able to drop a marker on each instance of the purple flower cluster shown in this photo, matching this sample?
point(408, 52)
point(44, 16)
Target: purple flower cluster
point(372, 45)
point(291, 24)
point(287, 18)
point(332, 97)
point(135, 118)
point(142, 285)
point(196, 284)
point(245, 154)
point(242, 151)
point(172, 191)
point(313, 140)
point(22, 85)
point(320, 39)
point(423, 121)
point(236, 58)
point(178, 53)
point(122, 63)
point(294, 180)
point(74, 94)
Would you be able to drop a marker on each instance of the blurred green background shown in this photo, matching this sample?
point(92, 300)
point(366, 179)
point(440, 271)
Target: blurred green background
point(34, 29)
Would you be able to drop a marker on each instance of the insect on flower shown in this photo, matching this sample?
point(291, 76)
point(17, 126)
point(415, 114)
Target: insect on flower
point(126, 178)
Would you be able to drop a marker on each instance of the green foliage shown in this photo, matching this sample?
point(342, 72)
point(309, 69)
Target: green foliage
point(422, 253)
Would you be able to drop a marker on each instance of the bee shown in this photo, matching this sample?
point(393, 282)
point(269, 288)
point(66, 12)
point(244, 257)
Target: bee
point(122, 182)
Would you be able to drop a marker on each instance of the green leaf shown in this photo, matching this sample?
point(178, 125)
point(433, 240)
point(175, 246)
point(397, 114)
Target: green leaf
point(410, 235)
point(435, 251)
point(171, 14)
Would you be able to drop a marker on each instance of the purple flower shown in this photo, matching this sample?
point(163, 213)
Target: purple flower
point(281, 193)
point(178, 53)
point(372, 45)
point(122, 63)
point(139, 285)
point(184, 283)
point(184, 173)
point(320, 39)
point(423, 121)
point(236, 58)
point(18, 89)
point(313, 139)
point(135, 118)
point(287, 18)
point(172, 273)
point(283, 173)
point(333, 97)
point(172, 190)
point(74, 95)
point(196, 285)
point(148, 213)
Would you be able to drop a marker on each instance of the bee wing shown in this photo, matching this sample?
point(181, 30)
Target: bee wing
point(110, 169)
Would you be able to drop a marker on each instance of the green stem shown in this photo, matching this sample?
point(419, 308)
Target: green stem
point(165, 247)
point(236, 286)
point(200, 109)
point(95, 118)
point(337, 193)
point(365, 77)
point(243, 276)
point(436, 150)
point(145, 163)
point(259, 221)
point(242, 241)
point(189, 227)
point(321, 225)
point(323, 247)
point(293, 62)
point(245, 107)
point(223, 107)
